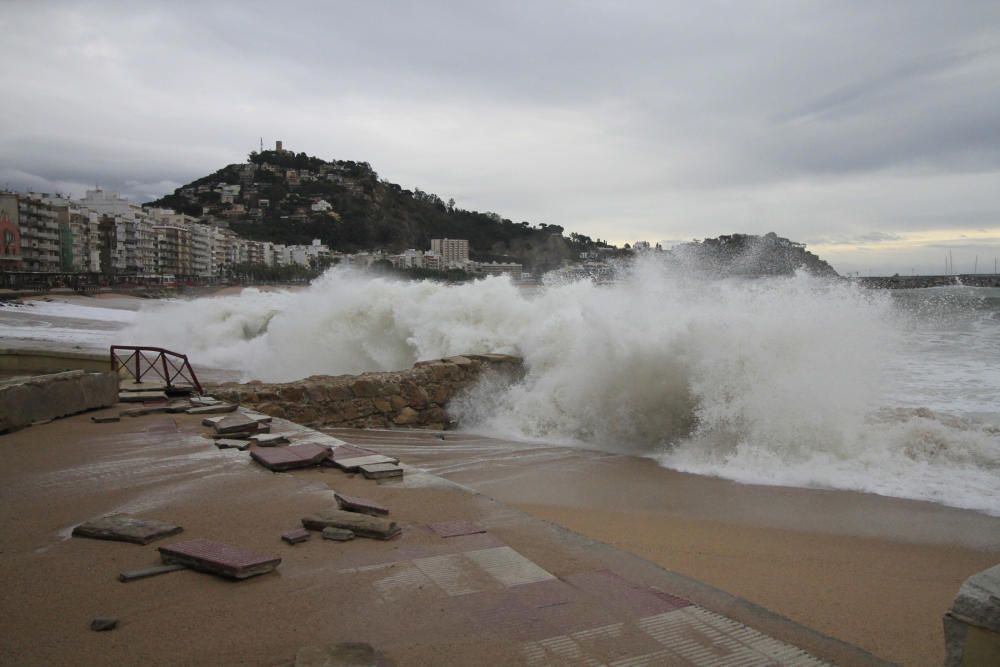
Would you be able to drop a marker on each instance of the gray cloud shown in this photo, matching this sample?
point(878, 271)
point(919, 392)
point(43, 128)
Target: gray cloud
point(619, 120)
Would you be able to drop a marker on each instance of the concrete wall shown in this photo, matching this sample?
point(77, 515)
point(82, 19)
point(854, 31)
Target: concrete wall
point(45, 397)
point(415, 398)
point(45, 361)
point(972, 625)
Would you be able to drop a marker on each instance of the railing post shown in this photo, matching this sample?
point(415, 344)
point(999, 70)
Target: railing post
point(166, 374)
point(138, 373)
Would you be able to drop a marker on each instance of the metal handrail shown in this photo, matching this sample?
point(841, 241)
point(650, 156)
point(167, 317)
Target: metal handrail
point(163, 364)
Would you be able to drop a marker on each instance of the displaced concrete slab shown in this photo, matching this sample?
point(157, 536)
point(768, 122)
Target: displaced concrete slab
point(236, 423)
point(212, 421)
point(217, 409)
point(352, 464)
point(218, 558)
point(360, 505)
point(350, 452)
point(258, 417)
point(128, 386)
point(201, 401)
point(289, 458)
point(146, 573)
point(126, 528)
point(230, 443)
point(337, 534)
point(296, 536)
point(456, 528)
point(269, 439)
point(107, 419)
point(141, 396)
point(381, 471)
point(362, 525)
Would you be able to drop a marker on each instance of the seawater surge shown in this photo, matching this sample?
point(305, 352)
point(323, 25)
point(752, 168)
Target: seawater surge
point(790, 381)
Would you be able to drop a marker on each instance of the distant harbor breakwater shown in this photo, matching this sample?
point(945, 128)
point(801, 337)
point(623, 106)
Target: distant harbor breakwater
point(911, 282)
point(413, 398)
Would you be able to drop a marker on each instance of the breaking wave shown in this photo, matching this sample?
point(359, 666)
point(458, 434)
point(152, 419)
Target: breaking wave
point(791, 381)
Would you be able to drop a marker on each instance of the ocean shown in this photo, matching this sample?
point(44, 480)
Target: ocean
point(785, 381)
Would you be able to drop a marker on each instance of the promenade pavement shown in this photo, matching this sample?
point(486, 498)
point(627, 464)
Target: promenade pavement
point(513, 590)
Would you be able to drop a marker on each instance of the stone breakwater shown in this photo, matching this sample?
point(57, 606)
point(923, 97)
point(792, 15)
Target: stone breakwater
point(414, 398)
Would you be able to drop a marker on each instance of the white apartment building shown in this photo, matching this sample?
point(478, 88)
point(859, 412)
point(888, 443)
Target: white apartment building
point(454, 253)
point(135, 250)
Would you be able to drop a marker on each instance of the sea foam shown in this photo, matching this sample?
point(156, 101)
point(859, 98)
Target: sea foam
point(789, 381)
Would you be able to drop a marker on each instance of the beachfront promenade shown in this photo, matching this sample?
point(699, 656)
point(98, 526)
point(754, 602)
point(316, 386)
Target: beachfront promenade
point(522, 591)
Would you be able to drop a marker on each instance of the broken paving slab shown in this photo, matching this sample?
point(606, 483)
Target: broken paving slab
point(219, 409)
point(269, 439)
point(295, 536)
point(235, 423)
point(361, 525)
point(141, 396)
point(279, 459)
point(126, 528)
point(456, 528)
point(258, 417)
point(202, 401)
point(218, 558)
point(352, 464)
point(230, 443)
point(106, 419)
point(127, 386)
point(350, 452)
point(360, 505)
point(337, 534)
point(381, 471)
point(146, 573)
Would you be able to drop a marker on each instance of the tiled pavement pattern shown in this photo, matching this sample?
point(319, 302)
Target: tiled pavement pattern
point(519, 600)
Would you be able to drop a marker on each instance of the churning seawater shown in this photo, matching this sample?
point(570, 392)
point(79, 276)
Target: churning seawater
point(790, 381)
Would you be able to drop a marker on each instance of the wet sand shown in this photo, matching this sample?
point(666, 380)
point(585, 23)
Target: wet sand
point(873, 571)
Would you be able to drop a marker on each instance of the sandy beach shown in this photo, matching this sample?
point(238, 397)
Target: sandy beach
point(876, 572)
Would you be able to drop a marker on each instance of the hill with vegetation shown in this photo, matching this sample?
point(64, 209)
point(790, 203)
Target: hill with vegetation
point(290, 198)
point(750, 256)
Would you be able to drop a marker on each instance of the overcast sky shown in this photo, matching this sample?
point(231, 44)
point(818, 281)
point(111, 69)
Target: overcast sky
point(869, 130)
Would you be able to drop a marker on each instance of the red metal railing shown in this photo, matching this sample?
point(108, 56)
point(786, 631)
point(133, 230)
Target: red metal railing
point(140, 362)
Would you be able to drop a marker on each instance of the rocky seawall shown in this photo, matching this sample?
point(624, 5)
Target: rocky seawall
point(413, 398)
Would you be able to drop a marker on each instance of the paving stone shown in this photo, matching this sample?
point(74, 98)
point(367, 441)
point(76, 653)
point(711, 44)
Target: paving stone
point(354, 463)
point(230, 443)
point(107, 419)
point(219, 409)
point(212, 421)
point(456, 528)
point(269, 439)
point(141, 396)
point(126, 386)
point(350, 452)
point(236, 423)
point(218, 558)
point(126, 528)
point(337, 534)
point(381, 471)
point(289, 458)
point(295, 536)
point(258, 417)
point(361, 525)
point(360, 505)
point(201, 401)
point(104, 623)
point(145, 573)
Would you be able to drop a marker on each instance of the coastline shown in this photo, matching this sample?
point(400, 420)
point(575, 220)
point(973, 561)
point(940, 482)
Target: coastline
point(874, 571)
